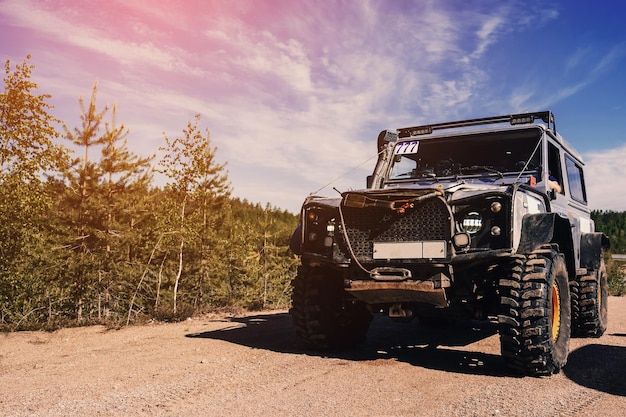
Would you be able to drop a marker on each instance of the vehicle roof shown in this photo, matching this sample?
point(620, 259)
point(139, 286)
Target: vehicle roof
point(477, 130)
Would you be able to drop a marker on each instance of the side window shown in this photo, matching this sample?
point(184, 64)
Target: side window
point(555, 176)
point(576, 180)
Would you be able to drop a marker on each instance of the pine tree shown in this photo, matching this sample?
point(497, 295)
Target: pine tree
point(103, 206)
point(125, 180)
point(83, 178)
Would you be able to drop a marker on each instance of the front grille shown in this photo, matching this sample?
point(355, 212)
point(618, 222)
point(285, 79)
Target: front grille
point(429, 220)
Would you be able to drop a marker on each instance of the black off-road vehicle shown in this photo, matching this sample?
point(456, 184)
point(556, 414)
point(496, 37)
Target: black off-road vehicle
point(485, 218)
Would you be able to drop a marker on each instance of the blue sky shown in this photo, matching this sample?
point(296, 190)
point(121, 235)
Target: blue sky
point(294, 93)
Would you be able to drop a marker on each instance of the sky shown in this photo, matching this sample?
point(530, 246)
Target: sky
point(295, 92)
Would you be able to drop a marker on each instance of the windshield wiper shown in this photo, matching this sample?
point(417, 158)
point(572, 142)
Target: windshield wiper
point(482, 168)
point(419, 175)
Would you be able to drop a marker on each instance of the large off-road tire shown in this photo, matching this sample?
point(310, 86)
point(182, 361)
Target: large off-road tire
point(535, 317)
point(589, 303)
point(324, 318)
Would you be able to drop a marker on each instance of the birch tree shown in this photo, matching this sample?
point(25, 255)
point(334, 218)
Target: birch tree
point(189, 161)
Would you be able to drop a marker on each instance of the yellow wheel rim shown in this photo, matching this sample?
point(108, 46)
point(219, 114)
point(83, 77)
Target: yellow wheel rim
point(555, 316)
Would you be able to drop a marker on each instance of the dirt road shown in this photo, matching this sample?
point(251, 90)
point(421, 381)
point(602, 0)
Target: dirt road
point(253, 366)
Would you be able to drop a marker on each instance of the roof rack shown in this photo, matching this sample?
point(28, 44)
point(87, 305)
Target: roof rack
point(515, 119)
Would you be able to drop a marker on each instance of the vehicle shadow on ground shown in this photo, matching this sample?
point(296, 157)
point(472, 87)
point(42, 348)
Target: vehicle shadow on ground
point(432, 348)
point(595, 366)
point(599, 367)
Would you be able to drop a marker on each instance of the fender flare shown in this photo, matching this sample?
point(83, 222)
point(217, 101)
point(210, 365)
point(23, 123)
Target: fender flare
point(591, 247)
point(295, 243)
point(546, 228)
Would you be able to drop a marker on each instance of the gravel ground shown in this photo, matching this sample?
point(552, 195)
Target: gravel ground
point(253, 366)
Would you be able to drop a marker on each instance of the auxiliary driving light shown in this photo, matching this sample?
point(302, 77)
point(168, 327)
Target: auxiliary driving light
point(496, 206)
point(472, 223)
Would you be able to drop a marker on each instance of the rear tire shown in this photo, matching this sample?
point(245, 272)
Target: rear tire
point(589, 305)
point(535, 317)
point(323, 316)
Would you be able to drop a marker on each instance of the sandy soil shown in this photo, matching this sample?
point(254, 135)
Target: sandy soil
point(253, 366)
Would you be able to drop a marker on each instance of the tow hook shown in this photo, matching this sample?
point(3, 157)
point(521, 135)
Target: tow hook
point(396, 311)
point(389, 273)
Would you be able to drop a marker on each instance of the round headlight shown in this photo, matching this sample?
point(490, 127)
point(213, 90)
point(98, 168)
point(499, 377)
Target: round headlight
point(472, 223)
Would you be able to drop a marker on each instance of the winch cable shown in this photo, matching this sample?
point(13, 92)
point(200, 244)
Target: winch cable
point(532, 155)
point(348, 244)
point(349, 171)
point(344, 230)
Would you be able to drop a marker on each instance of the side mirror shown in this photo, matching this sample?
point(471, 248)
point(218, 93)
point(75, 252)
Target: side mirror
point(552, 195)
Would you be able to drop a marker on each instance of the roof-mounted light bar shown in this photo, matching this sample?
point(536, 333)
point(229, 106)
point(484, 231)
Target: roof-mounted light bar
point(514, 119)
point(546, 116)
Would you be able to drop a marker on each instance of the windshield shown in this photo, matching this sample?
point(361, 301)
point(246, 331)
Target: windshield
point(492, 154)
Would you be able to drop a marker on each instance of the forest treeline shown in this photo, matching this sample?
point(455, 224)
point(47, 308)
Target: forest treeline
point(86, 236)
point(613, 224)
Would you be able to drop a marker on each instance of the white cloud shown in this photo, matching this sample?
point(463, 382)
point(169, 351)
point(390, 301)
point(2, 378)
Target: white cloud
point(605, 175)
point(582, 69)
point(30, 14)
point(577, 58)
point(562, 93)
point(487, 34)
point(609, 59)
point(295, 100)
point(529, 15)
point(286, 61)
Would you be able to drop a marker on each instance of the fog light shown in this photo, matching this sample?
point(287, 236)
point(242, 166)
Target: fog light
point(472, 223)
point(495, 231)
point(312, 236)
point(461, 240)
point(496, 206)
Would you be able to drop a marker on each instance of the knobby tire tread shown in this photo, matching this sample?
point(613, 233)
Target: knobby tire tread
point(524, 320)
point(322, 316)
point(589, 303)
